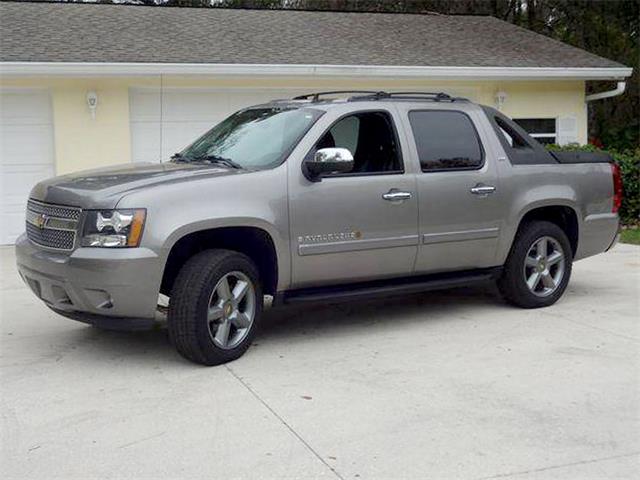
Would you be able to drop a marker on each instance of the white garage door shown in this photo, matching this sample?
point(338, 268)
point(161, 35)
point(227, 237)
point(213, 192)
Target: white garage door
point(26, 153)
point(185, 114)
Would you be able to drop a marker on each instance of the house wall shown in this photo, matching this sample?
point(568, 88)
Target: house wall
point(82, 142)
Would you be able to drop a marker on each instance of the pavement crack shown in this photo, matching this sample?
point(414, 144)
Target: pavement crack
point(144, 439)
point(554, 467)
point(594, 327)
point(284, 422)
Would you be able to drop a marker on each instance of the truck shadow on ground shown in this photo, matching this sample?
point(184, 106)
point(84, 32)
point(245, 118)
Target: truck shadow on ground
point(384, 313)
point(323, 321)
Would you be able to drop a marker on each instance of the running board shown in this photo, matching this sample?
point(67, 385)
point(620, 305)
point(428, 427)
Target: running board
point(383, 288)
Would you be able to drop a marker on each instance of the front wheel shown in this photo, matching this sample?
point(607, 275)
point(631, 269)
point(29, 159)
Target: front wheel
point(538, 268)
point(215, 307)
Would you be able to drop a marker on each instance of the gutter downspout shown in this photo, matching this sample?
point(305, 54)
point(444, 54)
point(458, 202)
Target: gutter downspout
point(619, 90)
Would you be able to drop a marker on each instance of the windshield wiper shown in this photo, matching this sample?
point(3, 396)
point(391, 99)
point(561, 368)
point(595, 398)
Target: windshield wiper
point(215, 159)
point(179, 158)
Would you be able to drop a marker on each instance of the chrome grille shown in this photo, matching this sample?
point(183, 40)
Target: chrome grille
point(58, 211)
point(52, 226)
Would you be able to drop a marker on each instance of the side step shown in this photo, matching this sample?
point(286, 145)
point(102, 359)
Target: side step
point(383, 288)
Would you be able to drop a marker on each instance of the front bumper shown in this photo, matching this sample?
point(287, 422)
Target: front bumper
point(111, 287)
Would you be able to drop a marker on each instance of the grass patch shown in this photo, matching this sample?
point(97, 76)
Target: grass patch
point(630, 235)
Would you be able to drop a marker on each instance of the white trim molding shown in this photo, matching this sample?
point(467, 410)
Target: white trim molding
point(382, 71)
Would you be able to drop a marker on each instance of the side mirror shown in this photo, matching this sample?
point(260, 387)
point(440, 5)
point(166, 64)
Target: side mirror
point(328, 160)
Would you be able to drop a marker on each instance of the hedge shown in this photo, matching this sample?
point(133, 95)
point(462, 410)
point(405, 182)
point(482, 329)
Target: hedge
point(629, 161)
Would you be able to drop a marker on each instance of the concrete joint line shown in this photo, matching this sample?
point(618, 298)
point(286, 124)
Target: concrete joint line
point(563, 465)
point(282, 420)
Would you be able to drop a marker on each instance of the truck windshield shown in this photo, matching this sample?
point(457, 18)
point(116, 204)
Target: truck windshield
point(252, 138)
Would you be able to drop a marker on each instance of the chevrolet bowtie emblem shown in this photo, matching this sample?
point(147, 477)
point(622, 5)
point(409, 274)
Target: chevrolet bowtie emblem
point(40, 221)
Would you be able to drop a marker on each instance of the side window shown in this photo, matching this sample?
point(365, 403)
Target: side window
point(445, 140)
point(542, 129)
point(371, 139)
point(514, 139)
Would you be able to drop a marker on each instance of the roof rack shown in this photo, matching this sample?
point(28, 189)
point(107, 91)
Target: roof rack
point(315, 97)
point(435, 96)
point(362, 95)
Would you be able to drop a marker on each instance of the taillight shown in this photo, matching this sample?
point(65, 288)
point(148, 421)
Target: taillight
point(617, 187)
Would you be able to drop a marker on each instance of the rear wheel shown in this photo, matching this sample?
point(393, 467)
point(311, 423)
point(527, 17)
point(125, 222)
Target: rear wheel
point(538, 268)
point(215, 307)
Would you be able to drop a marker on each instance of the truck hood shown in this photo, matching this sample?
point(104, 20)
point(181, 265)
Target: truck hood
point(104, 187)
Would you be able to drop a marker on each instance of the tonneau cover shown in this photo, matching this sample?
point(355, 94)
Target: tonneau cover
point(582, 157)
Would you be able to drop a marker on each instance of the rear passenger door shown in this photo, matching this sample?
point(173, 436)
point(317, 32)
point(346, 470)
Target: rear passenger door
point(459, 196)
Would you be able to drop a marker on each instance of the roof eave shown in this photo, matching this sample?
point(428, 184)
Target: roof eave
point(475, 73)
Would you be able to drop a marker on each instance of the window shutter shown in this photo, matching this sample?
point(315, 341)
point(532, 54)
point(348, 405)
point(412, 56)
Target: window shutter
point(567, 130)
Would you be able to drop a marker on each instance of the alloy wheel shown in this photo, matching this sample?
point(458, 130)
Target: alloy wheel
point(231, 310)
point(544, 266)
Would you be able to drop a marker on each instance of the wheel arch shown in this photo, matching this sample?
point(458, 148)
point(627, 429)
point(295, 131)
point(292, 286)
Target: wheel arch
point(254, 241)
point(559, 212)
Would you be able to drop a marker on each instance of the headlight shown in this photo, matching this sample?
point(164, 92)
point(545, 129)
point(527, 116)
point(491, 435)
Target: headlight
point(113, 228)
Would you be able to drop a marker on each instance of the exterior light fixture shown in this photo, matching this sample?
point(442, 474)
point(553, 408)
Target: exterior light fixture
point(501, 97)
point(92, 103)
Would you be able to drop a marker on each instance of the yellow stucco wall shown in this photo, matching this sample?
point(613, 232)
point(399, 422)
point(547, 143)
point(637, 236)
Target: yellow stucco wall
point(82, 142)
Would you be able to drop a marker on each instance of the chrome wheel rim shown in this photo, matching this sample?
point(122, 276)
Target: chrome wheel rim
point(544, 266)
point(231, 310)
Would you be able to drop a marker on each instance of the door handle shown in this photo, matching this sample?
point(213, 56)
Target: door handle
point(482, 189)
point(395, 195)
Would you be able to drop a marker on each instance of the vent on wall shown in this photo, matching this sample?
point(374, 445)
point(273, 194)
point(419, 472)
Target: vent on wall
point(567, 130)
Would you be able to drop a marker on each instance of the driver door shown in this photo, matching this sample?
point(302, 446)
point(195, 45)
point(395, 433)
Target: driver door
point(361, 225)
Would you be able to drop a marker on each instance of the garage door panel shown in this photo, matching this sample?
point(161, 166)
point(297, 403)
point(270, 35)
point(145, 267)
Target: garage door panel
point(145, 141)
point(26, 154)
point(12, 227)
point(144, 105)
point(17, 181)
point(20, 144)
point(186, 114)
point(29, 107)
point(145, 137)
point(194, 107)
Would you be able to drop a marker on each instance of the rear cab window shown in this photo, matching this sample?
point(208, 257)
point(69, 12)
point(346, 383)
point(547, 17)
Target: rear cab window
point(520, 147)
point(446, 140)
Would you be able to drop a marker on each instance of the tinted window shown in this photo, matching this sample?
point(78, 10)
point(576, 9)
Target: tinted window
point(445, 140)
point(371, 139)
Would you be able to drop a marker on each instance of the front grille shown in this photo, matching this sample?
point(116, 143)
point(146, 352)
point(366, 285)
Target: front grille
point(58, 211)
point(52, 226)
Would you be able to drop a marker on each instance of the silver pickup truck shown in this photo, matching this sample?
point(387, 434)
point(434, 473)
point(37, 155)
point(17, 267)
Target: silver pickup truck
point(328, 196)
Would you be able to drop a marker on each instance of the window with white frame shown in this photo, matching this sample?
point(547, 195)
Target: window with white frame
point(544, 130)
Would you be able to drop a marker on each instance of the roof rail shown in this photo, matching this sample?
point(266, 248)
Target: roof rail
point(315, 97)
point(362, 95)
point(435, 96)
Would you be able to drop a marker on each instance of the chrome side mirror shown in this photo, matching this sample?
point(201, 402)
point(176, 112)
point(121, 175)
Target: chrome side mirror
point(328, 160)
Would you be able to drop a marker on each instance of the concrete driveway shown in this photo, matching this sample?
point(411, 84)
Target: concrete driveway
point(441, 385)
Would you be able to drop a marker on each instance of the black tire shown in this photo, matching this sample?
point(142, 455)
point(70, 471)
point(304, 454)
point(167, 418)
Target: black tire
point(189, 302)
point(512, 283)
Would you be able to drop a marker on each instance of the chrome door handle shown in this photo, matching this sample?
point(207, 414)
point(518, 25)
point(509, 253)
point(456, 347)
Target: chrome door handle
point(395, 195)
point(482, 189)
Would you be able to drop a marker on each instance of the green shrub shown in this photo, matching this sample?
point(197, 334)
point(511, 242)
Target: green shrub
point(629, 161)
